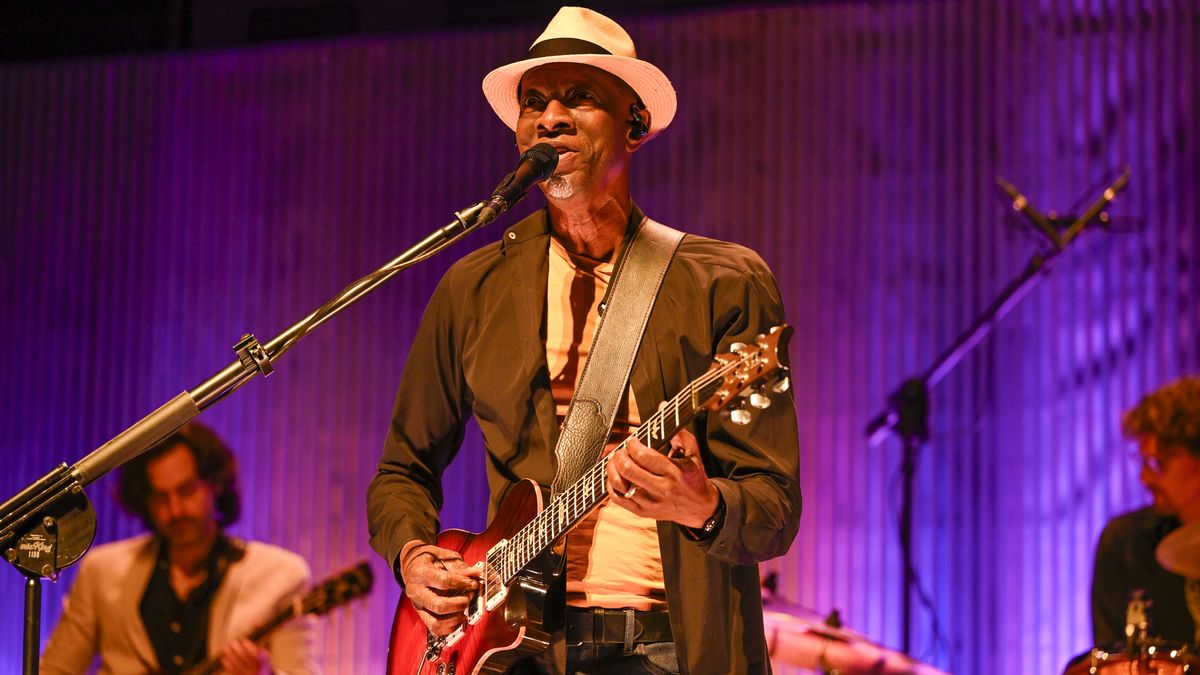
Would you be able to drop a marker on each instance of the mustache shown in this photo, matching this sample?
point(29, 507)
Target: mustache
point(182, 520)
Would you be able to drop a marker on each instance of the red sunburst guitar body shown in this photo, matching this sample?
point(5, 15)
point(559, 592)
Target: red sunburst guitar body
point(500, 637)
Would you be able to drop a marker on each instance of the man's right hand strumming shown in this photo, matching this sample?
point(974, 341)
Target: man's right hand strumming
point(440, 585)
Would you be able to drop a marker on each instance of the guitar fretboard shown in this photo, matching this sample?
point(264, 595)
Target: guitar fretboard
point(568, 508)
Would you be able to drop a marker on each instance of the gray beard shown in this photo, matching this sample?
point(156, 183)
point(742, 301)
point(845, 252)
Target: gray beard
point(559, 187)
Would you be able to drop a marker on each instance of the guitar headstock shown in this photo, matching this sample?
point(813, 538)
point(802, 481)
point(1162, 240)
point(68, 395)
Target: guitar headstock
point(338, 589)
point(749, 374)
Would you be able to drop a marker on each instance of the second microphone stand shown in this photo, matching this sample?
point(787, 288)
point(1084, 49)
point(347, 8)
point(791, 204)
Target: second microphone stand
point(907, 410)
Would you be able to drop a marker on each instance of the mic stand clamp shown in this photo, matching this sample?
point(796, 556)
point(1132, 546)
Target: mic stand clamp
point(252, 356)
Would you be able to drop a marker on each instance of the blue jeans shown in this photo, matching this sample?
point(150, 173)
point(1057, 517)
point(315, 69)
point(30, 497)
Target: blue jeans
point(648, 658)
point(589, 658)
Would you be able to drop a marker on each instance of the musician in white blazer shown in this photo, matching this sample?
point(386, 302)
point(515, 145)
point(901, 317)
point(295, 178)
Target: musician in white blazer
point(185, 592)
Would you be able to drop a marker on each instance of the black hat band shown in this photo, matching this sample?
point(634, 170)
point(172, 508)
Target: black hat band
point(565, 46)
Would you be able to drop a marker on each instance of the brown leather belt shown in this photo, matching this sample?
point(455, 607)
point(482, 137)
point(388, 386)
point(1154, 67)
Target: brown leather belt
point(616, 626)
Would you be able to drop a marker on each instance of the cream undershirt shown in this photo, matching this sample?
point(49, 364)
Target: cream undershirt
point(613, 558)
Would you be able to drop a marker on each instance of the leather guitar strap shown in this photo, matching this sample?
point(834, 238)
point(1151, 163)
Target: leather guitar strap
point(623, 317)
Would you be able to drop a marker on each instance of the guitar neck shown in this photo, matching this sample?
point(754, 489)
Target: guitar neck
point(573, 504)
point(342, 587)
point(212, 664)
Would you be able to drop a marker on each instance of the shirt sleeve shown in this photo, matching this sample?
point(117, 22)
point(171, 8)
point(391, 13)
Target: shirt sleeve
point(292, 647)
point(426, 432)
point(75, 642)
point(756, 466)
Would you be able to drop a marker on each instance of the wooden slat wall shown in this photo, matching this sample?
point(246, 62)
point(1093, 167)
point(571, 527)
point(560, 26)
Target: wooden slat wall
point(155, 207)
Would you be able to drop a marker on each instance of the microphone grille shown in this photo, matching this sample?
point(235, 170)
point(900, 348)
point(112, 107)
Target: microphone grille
point(544, 156)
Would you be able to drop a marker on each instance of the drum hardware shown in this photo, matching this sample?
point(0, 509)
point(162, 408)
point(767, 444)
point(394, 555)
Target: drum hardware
point(1137, 621)
point(1141, 653)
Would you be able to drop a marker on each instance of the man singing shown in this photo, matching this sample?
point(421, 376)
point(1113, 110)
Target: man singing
point(663, 577)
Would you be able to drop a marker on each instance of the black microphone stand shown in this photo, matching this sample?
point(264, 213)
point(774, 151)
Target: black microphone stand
point(50, 524)
point(907, 410)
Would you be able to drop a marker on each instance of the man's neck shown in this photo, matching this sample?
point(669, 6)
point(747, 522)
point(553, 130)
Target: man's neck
point(591, 227)
point(192, 558)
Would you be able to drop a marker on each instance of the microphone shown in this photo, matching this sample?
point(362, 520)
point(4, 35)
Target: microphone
point(1062, 229)
point(536, 165)
point(1021, 203)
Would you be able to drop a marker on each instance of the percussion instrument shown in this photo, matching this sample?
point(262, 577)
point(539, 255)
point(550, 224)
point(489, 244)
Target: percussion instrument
point(800, 637)
point(1156, 658)
point(1179, 551)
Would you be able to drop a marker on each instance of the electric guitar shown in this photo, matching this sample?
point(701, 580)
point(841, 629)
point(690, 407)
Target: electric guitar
point(336, 590)
point(505, 619)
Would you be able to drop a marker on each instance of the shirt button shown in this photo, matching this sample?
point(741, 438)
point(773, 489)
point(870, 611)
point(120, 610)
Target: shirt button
point(177, 660)
point(175, 627)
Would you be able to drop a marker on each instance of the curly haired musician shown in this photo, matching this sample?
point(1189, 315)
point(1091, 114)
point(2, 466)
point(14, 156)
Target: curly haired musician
point(1166, 425)
point(663, 577)
point(166, 601)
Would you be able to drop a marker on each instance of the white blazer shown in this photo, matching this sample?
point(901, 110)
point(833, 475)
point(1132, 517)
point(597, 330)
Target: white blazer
point(101, 613)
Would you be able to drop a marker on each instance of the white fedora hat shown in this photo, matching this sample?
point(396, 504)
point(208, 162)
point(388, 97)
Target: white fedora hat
point(580, 35)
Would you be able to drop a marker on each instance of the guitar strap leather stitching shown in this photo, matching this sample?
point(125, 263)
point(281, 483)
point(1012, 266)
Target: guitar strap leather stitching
point(624, 313)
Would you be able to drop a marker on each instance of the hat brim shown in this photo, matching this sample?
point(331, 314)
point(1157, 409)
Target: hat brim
point(650, 84)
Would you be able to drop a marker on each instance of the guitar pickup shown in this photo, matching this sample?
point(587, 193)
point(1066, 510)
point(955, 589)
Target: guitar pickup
point(494, 588)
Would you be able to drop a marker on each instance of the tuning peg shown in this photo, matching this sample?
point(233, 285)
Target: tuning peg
point(760, 401)
point(737, 412)
point(781, 385)
point(737, 347)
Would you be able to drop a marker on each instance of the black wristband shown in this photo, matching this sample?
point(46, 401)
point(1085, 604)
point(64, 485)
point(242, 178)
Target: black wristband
point(712, 526)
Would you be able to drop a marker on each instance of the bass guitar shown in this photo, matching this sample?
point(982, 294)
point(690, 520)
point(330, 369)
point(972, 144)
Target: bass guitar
point(505, 620)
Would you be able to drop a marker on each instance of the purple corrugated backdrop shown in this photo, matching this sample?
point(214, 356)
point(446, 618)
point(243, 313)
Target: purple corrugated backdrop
point(155, 207)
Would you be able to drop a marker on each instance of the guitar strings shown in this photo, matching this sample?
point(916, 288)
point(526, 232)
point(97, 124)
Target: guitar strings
point(533, 538)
